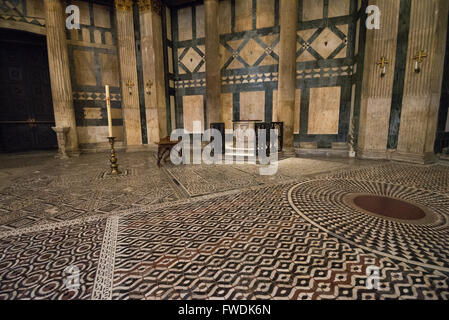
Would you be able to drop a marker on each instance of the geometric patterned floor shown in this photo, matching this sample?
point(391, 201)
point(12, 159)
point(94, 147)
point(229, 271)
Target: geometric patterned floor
point(220, 232)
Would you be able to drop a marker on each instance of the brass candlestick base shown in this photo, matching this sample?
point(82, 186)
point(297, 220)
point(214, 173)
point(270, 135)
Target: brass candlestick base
point(113, 159)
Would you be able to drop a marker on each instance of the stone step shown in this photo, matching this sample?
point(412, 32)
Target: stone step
point(444, 157)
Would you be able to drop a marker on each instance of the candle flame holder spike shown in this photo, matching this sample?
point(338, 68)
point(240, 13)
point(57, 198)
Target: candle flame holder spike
point(113, 159)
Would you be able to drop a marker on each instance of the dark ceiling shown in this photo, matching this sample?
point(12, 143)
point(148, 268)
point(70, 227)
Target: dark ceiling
point(170, 3)
point(175, 3)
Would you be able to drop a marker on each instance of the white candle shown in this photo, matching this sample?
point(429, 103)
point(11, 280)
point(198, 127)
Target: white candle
point(108, 106)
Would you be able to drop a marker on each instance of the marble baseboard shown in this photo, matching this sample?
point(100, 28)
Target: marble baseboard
point(322, 152)
point(308, 145)
point(419, 158)
point(373, 154)
point(423, 158)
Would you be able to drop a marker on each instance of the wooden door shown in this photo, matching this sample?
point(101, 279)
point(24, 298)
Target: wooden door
point(26, 109)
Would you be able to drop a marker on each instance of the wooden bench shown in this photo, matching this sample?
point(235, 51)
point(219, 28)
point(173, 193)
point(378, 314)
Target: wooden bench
point(164, 148)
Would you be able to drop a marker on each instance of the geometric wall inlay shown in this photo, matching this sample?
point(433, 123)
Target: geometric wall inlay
point(251, 52)
point(326, 43)
point(249, 78)
point(324, 72)
point(191, 59)
point(322, 43)
point(12, 7)
point(92, 113)
point(98, 96)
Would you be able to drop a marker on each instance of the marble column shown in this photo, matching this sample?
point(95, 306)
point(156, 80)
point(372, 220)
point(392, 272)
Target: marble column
point(128, 72)
point(153, 68)
point(213, 82)
point(287, 69)
point(61, 86)
point(377, 91)
point(422, 91)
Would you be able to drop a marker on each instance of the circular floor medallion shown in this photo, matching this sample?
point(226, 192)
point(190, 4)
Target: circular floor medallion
point(389, 207)
point(396, 221)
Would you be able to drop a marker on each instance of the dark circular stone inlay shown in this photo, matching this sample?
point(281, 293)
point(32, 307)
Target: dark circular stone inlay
point(389, 207)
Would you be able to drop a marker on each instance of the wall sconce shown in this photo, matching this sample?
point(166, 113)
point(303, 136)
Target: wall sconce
point(130, 85)
point(418, 60)
point(382, 63)
point(148, 87)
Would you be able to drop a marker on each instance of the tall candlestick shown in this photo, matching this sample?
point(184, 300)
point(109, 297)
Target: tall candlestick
point(108, 105)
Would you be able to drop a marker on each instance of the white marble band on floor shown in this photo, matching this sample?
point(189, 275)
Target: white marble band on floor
point(105, 271)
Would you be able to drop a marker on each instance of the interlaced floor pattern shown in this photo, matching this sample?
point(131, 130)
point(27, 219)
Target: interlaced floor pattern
point(219, 232)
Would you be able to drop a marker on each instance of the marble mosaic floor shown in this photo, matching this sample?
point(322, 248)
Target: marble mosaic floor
point(218, 232)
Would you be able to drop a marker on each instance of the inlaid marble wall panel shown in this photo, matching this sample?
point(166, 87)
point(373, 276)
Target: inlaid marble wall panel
point(297, 115)
point(85, 13)
point(252, 105)
point(109, 69)
point(167, 39)
point(338, 8)
point(200, 21)
point(94, 64)
point(248, 51)
point(249, 56)
point(170, 61)
point(92, 113)
point(26, 15)
point(326, 42)
point(296, 123)
point(193, 110)
point(185, 31)
point(84, 68)
point(102, 16)
point(265, 11)
point(188, 60)
point(243, 15)
point(172, 112)
point(324, 110)
point(35, 8)
point(168, 29)
point(226, 106)
point(312, 10)
point(98, 134)
point(224, 16)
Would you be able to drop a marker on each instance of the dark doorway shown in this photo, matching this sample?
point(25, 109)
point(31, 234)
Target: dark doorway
point(442, 138)
point(26, 108)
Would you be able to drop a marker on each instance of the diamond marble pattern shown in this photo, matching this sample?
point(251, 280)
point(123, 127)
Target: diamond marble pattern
point(32, 266)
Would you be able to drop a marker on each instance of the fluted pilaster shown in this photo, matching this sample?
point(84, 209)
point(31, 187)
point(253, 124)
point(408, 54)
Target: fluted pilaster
point(287, 68)
point(153, 68)
point(61, 86)
point(377, 91)
point(128, 72)
point(422, 91)
point(213, 83)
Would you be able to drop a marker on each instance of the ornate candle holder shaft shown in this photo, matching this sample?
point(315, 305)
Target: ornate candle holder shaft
point(113, 159)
